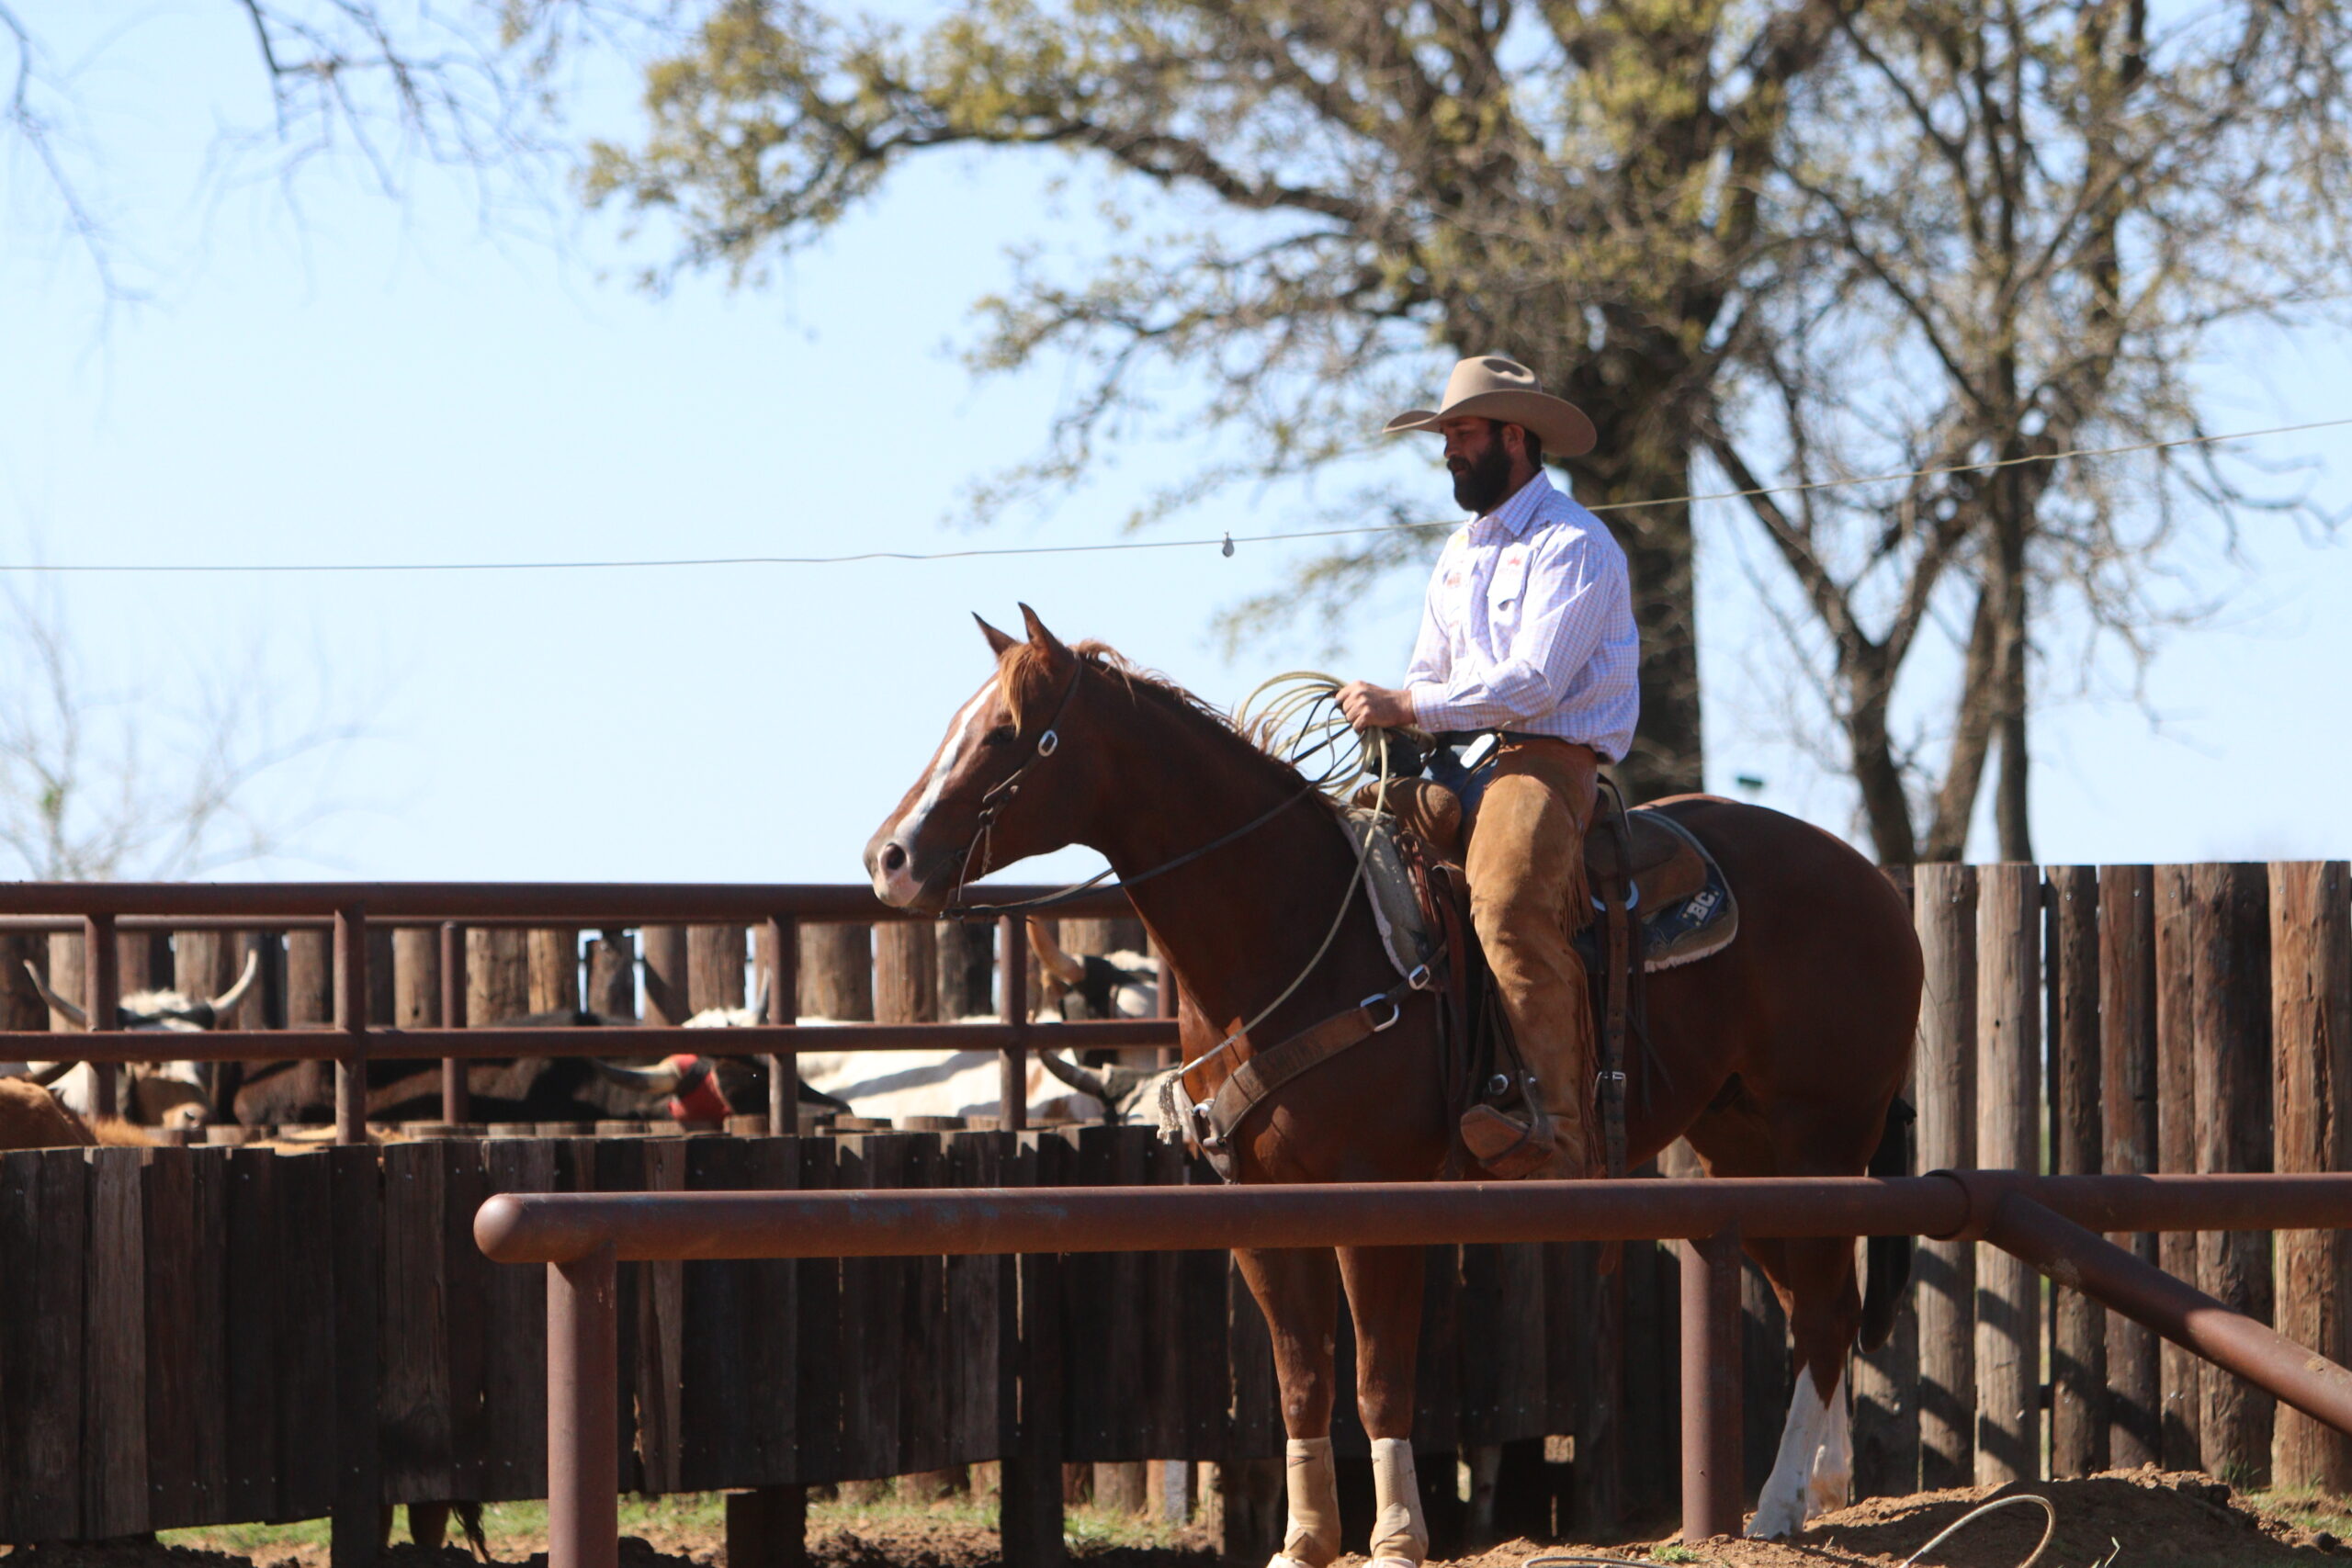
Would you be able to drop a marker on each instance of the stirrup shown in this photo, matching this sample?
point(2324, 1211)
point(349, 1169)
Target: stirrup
point(1511, 1150)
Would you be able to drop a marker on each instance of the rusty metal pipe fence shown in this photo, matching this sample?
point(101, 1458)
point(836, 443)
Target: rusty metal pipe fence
point(100, 911)
point(582, 1238)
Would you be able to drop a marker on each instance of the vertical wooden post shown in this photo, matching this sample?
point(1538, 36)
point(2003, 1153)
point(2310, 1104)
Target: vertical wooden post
point(1945, 1076)
point(714, 968)
point(68, 976)
point(20, 1005)
point(612, 973)
point(2127, 933)
point(783, 995)
point(309, 977)
point(2078, 1418)
point(1886, 1380)
point(456, 1093)
point(143, 962)
point(417, 993)
point(355, 1243)
point(2230, 933)
point(2178, 1372)
point(103, 982)
point(837, 971)
point(498, 974)
point(906, 972)
point(553, 955)
point(351, 1017)
point(1030, 1516)
point(1012, 1008)
point(668, 986)
point(767, 1527)
point(2310, 1001)
point(2008, 1137)
point(966, 969)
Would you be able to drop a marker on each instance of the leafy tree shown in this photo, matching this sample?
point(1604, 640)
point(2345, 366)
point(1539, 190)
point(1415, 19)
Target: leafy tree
point(2014, 231)
point(1353, 193)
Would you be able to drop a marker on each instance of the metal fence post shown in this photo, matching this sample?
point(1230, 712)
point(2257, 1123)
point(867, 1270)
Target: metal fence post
point(584, 1414)
point(456, 1095)
point(1012, 1007)
point(351, 1017)
point(1711, 1386)
point(784, 1009)
point(101, 990)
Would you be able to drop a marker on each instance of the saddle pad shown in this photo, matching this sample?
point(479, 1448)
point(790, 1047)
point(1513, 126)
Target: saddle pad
point(1388, 887)
point(1686, 929)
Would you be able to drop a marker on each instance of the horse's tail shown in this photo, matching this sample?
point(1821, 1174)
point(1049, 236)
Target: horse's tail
point(1890, 1256)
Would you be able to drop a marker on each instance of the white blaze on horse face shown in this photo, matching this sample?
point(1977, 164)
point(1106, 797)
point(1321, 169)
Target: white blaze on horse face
point(1814, 1465)
point(897, 885)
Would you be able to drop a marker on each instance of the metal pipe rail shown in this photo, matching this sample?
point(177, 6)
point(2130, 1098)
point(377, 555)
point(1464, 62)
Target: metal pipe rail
point(102, 910)
point(476, 1044)
point(581, 1237)
point(315, 904)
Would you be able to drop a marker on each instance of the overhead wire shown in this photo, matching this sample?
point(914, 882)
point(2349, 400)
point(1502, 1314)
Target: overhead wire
point(1223, 541)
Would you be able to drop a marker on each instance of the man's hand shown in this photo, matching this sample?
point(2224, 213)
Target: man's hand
point(1375, 707)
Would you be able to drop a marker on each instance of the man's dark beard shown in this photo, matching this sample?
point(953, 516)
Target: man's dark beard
point(1481, 487)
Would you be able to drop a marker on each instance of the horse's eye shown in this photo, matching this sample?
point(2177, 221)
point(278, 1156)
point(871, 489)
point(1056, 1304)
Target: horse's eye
point(1001, 736)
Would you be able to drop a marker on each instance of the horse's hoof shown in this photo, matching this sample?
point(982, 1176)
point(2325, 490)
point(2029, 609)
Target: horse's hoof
point(1777, 1518)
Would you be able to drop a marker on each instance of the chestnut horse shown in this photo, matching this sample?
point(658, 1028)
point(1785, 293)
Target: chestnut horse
point(1778, 1056)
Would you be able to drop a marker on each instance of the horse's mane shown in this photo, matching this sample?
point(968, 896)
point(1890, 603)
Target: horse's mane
point(1139, 683)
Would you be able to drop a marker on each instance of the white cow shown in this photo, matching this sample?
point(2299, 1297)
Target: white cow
point(166, 1094)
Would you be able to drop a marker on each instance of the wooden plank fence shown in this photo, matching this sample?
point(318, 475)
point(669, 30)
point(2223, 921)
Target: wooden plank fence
point(208, 1335)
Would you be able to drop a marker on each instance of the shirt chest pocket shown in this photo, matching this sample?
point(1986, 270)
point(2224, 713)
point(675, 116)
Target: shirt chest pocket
point(1507, 592)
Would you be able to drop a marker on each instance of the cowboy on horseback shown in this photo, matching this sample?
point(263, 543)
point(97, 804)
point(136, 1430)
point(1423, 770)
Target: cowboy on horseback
point(1525, 674)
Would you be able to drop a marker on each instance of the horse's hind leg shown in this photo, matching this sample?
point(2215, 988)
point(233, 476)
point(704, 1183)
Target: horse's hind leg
point(1299, 1293)
point(1814, 1279)
point(1384, 1296)
point(1811, 1473)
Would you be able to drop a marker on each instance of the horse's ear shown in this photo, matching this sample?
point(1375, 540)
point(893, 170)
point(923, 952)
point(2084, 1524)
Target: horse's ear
point(1040, 637)
point(998, 641)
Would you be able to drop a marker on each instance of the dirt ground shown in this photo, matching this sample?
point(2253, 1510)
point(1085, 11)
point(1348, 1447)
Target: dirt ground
point(2136, 1519)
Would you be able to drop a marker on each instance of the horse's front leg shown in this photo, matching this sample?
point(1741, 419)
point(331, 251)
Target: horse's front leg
point(1384, 1295)
point(1299, 1293)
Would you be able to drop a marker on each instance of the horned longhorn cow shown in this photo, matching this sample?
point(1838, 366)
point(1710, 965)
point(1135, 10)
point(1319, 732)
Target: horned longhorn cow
point(162, 1093)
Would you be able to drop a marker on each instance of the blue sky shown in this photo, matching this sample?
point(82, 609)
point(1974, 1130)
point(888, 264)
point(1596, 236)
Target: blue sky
point(353, 378)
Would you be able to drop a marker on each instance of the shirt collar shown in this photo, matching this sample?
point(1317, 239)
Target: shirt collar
point(1518, 515)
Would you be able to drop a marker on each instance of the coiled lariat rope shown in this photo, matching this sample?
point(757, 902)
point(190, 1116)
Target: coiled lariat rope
point(2049, 1528)
point(1301, 720)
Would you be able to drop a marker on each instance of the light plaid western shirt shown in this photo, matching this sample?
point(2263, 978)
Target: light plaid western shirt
point(1528, 626)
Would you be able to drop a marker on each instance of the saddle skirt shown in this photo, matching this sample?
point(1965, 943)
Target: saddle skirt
point(1677, 891)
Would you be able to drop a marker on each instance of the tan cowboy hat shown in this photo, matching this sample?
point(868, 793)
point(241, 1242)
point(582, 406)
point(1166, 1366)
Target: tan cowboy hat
point(1491, 386)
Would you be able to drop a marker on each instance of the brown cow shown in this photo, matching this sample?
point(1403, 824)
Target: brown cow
point(30, 1118)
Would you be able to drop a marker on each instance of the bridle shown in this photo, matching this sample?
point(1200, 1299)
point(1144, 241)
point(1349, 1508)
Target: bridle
point(1000, 794)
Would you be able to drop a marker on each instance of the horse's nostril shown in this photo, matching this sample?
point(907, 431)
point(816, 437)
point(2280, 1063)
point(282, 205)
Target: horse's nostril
point(893, 858)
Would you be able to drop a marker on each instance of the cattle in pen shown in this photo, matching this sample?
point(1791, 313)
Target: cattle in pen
point(161, 1093)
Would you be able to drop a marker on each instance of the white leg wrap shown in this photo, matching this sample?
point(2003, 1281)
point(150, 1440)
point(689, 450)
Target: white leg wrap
point(1312, 1486)
point(1398, 1534)
point(1783, 1509)
point(1833, 1463)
